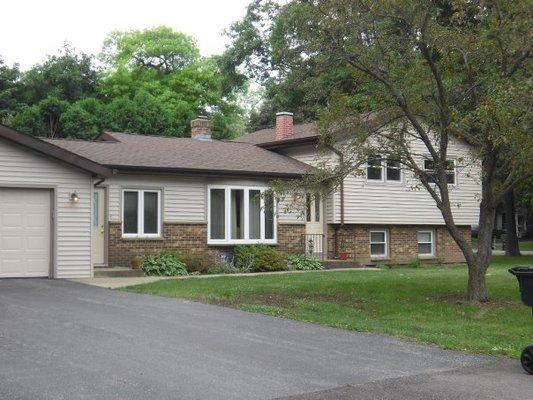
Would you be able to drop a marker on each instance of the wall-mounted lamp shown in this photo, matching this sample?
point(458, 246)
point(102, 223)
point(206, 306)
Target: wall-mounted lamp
point(74, 197)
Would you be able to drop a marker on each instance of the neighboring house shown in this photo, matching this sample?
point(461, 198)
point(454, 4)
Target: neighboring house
point(67, 206)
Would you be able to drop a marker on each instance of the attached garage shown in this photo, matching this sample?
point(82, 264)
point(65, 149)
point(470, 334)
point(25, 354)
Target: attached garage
point(25, 233)
point(43, 232)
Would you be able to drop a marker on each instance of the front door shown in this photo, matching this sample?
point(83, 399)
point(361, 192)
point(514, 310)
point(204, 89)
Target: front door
point(314, 225)
point(98, 227)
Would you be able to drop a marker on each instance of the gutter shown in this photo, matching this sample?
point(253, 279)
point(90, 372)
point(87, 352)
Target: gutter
point(288, 143)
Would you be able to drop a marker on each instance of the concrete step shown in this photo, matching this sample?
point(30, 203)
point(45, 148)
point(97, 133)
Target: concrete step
point(333, 264)
point(117, 272)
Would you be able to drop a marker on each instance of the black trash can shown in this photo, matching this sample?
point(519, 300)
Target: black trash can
point(525, 282)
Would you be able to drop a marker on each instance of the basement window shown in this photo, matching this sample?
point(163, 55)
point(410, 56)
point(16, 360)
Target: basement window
point(141, 213)
point(426, 243)
point(241, 215)
point(378, 243)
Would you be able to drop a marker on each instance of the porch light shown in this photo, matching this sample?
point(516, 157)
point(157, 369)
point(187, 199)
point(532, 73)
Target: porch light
point(74, 197)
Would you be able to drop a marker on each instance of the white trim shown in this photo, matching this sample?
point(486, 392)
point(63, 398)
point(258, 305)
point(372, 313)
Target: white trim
point(386, 243)
point(140, 214)
point(432, 242)
point(227, 206)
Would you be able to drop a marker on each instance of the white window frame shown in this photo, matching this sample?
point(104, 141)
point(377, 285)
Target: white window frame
point(383, 166)
point(432, 233)
point(452, 160)
point(140, 214)
point(227, 221)
point(386, 243)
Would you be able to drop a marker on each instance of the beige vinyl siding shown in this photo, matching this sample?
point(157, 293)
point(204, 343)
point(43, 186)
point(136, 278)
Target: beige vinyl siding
point(310, 155)
point(20, 167)
point(405, 202)
point(184, 199)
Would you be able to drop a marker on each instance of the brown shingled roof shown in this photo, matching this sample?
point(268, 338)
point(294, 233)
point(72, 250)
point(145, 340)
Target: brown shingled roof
point(165, 154)
point(267, 136)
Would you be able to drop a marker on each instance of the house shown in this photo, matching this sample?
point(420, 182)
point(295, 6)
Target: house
point(68, 206)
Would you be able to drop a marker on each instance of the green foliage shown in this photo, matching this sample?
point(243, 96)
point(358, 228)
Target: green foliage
point(415, 263)
point(302, 262)
point(229, 268)
point(153, 82)
point(258, 258)
point(167, 264)
point(10, 101)
point(196, 263)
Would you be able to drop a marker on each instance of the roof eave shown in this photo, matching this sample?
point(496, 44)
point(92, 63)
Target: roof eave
point(288, 143)
point(207, 172)
point(53, 151)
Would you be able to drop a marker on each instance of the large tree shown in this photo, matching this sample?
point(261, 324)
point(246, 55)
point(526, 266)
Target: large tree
point(10, 92)
point(440, 70)
point(167, 65)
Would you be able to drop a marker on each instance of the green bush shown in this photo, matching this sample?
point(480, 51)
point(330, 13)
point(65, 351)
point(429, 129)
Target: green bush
point(258, 258)
point(226, 268)
point(166, 264)
point(196, 263)
point(302, 262)
point(415, 263)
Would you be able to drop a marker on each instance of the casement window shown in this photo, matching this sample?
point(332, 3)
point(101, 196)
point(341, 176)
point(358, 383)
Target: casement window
point(429, 168)
point(379, 168)
point(426, 243)
point(241, 215)
point(312, 207)
point(379, 243)
point(141, 213)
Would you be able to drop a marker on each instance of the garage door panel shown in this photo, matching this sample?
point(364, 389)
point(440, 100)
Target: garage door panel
point(24, 232)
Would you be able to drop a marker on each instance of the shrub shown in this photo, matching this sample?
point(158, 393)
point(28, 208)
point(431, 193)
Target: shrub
point(302, 262)
point(196, 263)
point(167, 264)
point(259, 258)
point(226, 268)
point(415, 263)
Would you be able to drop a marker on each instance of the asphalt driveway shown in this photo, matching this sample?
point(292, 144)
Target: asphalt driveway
point(65, 340)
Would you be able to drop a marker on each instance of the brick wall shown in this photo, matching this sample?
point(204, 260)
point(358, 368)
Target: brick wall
point(403, 246)
point(291, 239)
point(187, 238)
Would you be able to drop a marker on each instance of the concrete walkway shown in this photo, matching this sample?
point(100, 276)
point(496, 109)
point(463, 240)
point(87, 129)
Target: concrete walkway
point(118, 282)
point(64, 340)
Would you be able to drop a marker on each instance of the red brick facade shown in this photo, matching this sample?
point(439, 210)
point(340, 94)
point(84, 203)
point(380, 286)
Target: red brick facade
point(354, 239)
point(403, 245)
point(187, 238)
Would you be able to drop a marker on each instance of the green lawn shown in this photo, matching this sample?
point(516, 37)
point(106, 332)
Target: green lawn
point(419, 304)
point(524, 245)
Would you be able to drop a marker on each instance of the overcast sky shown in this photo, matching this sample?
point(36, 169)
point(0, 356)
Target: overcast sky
point(31, 29)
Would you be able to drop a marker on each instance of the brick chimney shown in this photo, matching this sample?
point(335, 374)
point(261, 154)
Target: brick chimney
point(201, 128)
point(284, 125)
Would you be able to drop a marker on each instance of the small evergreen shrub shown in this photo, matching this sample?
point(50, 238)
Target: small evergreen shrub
point(196, 263)
point(302, 262)
point(166, 264)
point(258, 258)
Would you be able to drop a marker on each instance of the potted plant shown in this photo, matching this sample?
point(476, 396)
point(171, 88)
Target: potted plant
point(343, 255)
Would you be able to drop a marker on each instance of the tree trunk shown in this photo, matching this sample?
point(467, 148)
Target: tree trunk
point(511, 239)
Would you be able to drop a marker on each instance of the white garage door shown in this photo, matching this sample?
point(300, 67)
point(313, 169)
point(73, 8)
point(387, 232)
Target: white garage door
point(24, 233)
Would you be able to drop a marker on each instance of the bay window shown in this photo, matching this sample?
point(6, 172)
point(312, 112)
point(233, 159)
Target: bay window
point(241, 215)
point(141, 213)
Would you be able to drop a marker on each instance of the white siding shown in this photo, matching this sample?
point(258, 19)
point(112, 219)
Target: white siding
point(318, 158)
point(23, 168)
point(371, 202)
point(184, 199)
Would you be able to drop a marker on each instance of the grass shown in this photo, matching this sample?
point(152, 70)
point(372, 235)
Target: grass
point(423, 304)
point(524, 245)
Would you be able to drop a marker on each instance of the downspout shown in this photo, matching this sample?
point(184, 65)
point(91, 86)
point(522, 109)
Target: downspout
point(341, 193)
